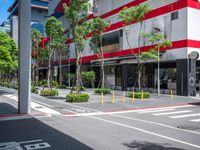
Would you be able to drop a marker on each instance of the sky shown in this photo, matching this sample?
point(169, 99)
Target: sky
point(4, 5)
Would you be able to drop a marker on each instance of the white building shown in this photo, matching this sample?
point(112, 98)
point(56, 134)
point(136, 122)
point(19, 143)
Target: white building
point(176, 19)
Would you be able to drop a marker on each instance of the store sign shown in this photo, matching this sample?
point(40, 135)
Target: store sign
point(191, 81)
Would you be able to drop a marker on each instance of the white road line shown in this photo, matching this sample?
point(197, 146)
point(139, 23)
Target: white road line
point(158, 124)
point(37, 107)
point(43, 104)
point(145, 131)
point(184, 116)
point(157, 110)
point(195, 120)
point(173, 112)
point(14, 118)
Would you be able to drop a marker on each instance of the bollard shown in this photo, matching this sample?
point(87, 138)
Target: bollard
point(133, 97)
point(142, 96)
point(113, 97)
point(123, 97)
point(102, 98)
point(171, 93)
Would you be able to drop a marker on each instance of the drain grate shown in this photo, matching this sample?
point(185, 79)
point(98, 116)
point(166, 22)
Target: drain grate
point(188, 127)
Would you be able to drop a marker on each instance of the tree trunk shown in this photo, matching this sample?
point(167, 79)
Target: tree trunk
point(60, 70)
point(138, 58)
point(78, 80)
point(49, 71)
point(102, 65)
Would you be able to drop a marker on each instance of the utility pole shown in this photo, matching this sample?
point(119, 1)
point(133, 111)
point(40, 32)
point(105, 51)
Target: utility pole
point(24, 56)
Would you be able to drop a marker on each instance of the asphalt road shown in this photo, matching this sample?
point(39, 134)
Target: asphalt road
point(154, 124)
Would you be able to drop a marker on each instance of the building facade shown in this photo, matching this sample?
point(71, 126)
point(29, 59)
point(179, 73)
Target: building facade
point(39, 13)
point(175, 19)
point(5, 27)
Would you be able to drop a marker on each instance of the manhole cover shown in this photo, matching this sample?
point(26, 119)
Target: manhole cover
point(188, 127)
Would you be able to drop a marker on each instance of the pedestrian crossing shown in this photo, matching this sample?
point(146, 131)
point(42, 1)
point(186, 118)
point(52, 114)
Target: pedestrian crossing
point(174, 113)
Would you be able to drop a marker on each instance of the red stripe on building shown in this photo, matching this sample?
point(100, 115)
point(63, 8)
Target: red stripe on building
point(128, 52)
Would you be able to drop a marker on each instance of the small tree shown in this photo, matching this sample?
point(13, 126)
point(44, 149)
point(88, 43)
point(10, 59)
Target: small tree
point(159, 42)
point(76, 14)
point(36, 40)
point(61, 51)
point(137, 14)
point(54, 30)
point(99, 25)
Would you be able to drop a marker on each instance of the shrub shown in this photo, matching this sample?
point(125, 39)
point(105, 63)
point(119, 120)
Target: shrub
point(69, 76)
point(74, 88)
point(104, 91)
point(61, 86)
point(42, 83)
point(54, 83)
point(77, 98)
point(52, 92)
point(34, 90)
point(88, 78)
point(139, 94)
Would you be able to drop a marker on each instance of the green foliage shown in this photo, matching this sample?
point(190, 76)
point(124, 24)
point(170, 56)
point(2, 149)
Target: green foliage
point(42, 83)
point(74, 88)
point(8, 54)
point(88, 77)
point(69, 76)
point(34, 90)
point(103, 90)
point(51, 92)
point(139, 95)
point(61, 86)
point(77, 98)
point(137, 13)
point(54, 83)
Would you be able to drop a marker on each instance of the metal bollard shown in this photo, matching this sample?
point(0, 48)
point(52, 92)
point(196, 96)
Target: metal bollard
point(123, 97)
point(171, 93)
point(133, 97)
point(113, 97)
point(102, 98)
point(142, 96)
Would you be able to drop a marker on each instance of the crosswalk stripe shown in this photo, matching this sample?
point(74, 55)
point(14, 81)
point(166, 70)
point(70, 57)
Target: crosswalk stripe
point(184, 116)
point(195, 120)
point(157, 110)
point(173, 112)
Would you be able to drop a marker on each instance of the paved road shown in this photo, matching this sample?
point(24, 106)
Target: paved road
point(155, 124)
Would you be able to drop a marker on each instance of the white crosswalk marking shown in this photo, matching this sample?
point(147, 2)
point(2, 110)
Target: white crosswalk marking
point(173, 112)
point(195, 120)
point(156, 110)
point(184, 116)
point(37, 106)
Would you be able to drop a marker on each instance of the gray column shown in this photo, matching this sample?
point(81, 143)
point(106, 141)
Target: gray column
point(24, 56)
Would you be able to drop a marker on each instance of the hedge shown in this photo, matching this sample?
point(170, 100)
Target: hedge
point(52, 92)
point(139, 94)
point(61, 86)
point(34, 90)
point(104, 91)
point(77, 98)
point(74, 88)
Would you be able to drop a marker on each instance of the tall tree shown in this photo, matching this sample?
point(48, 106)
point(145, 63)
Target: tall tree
point(98, 26)
point(36, 41)
point(8, 55)
point(54, 31)
point(137, 14)
point(76, 14)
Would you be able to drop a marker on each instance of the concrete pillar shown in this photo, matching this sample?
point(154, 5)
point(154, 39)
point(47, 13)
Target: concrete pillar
point(24, 56)
point(124, 77)
point(186, 77)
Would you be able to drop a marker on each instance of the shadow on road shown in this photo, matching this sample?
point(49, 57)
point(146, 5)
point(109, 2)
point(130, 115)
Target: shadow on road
point(143, 145)
point(32, 132)
point(6, 108)
point(195, 103)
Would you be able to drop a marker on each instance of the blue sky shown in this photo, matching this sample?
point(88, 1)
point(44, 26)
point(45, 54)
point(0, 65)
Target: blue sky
point(4, 5)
